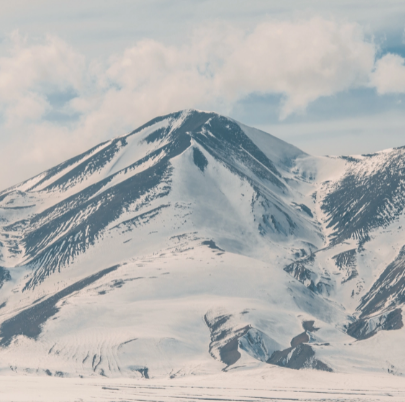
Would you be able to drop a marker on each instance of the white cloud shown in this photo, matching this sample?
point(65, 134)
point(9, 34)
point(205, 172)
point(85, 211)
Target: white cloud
point(213, 69)
point(302, 60)
point(29, 72)
point(389, 74)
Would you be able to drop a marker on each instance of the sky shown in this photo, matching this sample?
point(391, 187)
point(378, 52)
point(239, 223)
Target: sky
point(326, 76)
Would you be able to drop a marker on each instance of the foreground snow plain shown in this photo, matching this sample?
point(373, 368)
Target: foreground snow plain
point(267, 383)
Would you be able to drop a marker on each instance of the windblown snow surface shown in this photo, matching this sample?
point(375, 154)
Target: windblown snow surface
point(197, 250)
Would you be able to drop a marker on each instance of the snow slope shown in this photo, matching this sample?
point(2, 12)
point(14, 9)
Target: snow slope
point(195, 245)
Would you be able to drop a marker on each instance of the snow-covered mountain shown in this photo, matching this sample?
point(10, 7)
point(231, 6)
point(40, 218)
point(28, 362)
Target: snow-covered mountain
point(195, 244)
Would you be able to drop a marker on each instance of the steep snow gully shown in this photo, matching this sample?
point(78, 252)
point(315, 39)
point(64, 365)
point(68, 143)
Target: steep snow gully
point(195, 245)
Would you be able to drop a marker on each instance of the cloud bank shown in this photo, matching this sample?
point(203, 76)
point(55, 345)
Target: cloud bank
point(54, 102)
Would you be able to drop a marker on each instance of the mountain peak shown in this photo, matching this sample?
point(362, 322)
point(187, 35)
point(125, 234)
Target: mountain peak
point(136, 169)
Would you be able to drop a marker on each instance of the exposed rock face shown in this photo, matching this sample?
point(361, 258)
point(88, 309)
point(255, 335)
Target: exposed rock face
point(300, 355)
point(370, 195)
point(366, 327)
point(388, 291)
point(258, 344)
point(224, 337)
point(4, 276)
point(346, 262)
point(301, 270)
point(29, 322)
point(379, 307)
point(301, 338)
